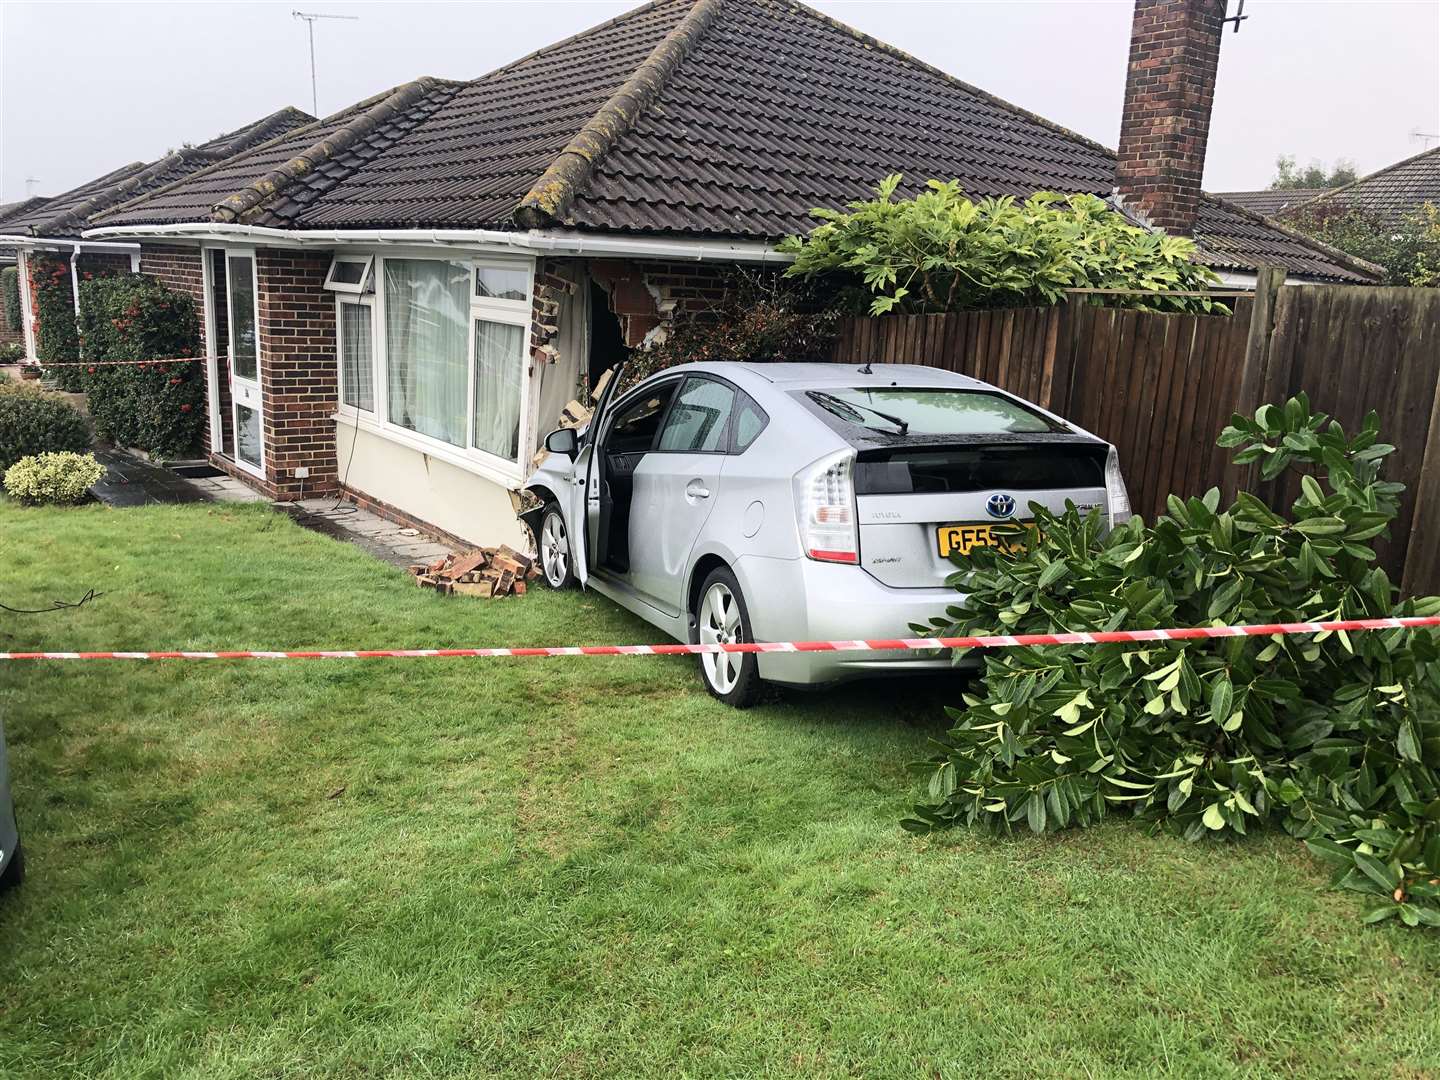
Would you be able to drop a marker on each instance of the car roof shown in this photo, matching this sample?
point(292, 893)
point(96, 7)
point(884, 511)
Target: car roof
point(789, 376)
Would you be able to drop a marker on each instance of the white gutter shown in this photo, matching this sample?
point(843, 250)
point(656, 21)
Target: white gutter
point(570, 243)
point(45, 243)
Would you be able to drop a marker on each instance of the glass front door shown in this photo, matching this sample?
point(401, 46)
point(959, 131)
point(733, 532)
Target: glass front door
point(245, 362)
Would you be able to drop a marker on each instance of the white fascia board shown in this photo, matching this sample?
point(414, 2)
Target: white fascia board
point(532, 242)
point(45, 243)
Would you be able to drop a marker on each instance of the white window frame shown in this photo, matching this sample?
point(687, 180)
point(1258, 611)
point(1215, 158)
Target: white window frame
point(513, 312)
point(366, 274)
point(344, 407)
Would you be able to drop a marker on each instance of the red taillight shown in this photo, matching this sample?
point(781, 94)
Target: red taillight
point(825, 509)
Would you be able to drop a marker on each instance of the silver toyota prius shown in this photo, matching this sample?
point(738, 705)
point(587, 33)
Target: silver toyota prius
point(795, 502)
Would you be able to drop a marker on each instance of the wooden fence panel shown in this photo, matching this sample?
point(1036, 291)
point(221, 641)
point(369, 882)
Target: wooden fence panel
point(1160, 387)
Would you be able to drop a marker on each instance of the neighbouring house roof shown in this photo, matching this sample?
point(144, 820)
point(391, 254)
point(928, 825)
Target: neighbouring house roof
point(1272, 200)
point(21, 206)
point(66, 215)
point(720, 118)
point(1389, 194)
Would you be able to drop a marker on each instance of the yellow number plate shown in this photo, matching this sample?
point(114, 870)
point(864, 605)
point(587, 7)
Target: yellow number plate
point(963, 539)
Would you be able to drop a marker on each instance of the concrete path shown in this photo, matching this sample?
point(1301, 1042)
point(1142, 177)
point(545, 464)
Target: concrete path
point(385, 540)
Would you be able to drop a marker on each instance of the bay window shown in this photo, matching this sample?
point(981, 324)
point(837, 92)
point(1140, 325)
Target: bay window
point(445, 371)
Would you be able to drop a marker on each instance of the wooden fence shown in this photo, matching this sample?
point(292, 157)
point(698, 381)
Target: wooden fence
point(1160, 387)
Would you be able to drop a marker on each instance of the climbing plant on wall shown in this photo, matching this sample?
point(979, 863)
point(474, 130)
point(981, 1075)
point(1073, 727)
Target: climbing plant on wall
point(158, 408)
point(57, 339)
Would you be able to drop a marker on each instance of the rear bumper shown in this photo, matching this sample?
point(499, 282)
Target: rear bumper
point(805, 600)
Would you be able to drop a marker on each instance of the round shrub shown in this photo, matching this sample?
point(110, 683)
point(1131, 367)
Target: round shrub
point(62, 477)
point(158, 408)
point(34, 422)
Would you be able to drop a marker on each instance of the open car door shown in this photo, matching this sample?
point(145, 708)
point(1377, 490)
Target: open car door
point(586, 494)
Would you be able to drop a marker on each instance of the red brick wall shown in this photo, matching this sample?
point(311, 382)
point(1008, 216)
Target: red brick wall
point(643, 295)
point(95, 263)
point(298, 373)
point(1169, 91)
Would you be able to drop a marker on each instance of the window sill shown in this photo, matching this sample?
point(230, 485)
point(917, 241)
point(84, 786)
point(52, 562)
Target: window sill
point(505, 474)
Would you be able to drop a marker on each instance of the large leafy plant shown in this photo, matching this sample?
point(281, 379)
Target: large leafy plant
point(1334, 737)
point(941, 251)
point(158, 408)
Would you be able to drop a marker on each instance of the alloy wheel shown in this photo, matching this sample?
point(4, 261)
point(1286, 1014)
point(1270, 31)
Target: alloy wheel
point(720, 624)
point(554, 550)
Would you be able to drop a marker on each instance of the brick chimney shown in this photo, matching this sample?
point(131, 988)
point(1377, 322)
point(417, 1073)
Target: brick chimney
point(1169, 91)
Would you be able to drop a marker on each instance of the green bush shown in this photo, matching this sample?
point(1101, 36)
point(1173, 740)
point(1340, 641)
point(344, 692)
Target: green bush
point(939, 251)
point(33, 421)
point(1334, 737)
point(158, 408)
point(57, 338)
point(12, 353)
point(10, 296)
point(53, 477)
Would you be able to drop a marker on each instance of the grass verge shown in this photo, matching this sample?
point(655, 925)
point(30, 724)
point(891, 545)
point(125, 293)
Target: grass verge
point(581, 867)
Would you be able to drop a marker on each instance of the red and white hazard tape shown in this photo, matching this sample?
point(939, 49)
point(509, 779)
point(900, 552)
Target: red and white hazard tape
point(1001, 641)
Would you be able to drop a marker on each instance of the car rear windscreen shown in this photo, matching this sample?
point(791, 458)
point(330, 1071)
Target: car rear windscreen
point(980, 468)
point(932, 411)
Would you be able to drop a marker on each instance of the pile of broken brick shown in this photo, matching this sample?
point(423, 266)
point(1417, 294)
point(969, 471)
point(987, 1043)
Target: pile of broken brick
point(501, 571)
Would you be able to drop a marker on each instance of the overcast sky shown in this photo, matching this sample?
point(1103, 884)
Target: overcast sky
point(88, 87)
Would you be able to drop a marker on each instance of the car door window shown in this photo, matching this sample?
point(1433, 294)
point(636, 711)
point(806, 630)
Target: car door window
point(750, 421)
point(636, 423)
point(699, 422)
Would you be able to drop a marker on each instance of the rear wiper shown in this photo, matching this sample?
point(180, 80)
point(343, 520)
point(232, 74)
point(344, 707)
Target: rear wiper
point(830, 401)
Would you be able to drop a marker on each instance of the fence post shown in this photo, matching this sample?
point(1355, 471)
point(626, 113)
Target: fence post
point(1421, 575)
point(1257, 345)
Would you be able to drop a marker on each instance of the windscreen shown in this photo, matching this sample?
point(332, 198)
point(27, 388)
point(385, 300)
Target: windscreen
point(932, 411)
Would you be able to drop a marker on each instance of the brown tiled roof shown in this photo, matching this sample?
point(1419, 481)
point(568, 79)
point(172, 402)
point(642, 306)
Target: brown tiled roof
point(1389, 195)
point(693, 117)
point(1272, 200)
point(66, 215)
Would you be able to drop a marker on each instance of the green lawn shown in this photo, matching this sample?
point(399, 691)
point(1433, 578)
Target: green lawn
point(581, 867)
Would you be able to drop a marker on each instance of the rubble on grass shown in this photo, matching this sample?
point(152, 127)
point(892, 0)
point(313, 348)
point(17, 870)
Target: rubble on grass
point(487, 572)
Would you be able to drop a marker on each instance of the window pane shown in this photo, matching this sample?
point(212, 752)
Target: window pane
point(750, 420)
point(427, 320)
point(499, 283)
point(247, 435)
point(347, 272)
point(241, 277)
point(499, 372)
point(699, 421)
point(357, 374)
point(634, 428)
point(927, 411)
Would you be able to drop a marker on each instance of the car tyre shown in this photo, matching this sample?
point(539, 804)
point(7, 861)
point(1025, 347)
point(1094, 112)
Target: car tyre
point(552, 545)
point(722, 616)
point(15, 869)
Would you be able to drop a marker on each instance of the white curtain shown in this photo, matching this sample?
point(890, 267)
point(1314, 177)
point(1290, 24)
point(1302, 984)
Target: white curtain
point(499, 373)
point(356, 357)
point(427, 315)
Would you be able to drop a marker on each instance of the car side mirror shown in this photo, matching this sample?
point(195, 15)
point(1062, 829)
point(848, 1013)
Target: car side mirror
point(563, 441)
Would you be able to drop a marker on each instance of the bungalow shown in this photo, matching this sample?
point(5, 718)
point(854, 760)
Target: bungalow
point(1388, 196)
point(400, 298)
point(56, 224)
